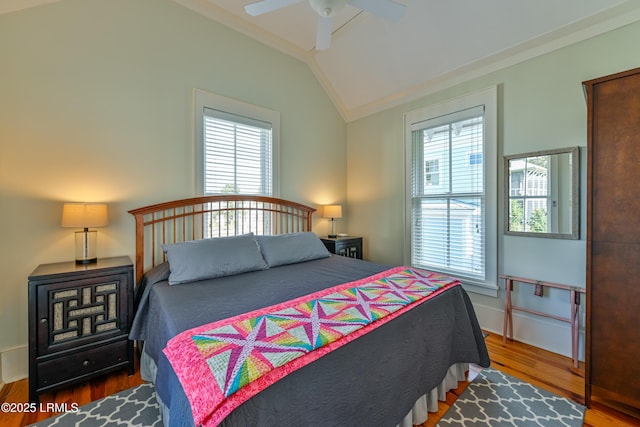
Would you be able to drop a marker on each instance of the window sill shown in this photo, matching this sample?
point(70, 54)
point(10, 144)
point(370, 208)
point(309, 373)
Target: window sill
point(482, 289)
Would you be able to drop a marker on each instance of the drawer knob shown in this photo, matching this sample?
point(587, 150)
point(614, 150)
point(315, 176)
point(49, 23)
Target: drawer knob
point(43, 320)
point(85, 363)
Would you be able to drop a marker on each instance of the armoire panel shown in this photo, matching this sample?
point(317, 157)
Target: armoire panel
point(612, 374)
point(616, 293)
point(616, 160)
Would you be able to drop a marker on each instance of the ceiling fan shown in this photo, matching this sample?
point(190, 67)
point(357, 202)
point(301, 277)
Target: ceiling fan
point(327, 9)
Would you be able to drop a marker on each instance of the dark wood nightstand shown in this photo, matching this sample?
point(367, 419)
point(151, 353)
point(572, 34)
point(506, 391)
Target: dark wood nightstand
point(348, 246)
point(79, 320)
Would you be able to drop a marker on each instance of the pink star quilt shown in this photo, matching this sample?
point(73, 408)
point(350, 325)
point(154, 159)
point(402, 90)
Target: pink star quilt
point(222, 364)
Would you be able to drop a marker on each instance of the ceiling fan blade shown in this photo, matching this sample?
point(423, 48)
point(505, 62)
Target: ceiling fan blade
point(265, 6)
point(386, 9)
point(323, 34)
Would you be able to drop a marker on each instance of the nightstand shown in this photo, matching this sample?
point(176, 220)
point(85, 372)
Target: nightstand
point(79, 320)
point(348, 246)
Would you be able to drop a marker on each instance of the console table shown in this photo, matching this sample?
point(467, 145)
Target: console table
point(574, 299)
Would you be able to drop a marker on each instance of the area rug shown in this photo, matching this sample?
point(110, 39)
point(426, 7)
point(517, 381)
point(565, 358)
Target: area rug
point(136, 406)
point(497, 399)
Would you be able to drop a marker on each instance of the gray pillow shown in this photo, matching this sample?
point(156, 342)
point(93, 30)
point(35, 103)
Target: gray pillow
point(291, 248)
point(209, 258)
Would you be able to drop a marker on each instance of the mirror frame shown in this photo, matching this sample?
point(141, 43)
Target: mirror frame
point(575, 194)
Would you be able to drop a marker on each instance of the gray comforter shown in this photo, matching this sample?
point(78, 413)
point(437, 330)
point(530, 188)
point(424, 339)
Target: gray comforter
point(372, 381)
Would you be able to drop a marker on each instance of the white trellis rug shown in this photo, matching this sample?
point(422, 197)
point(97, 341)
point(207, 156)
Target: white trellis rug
point(134, 407)
point(497, 399)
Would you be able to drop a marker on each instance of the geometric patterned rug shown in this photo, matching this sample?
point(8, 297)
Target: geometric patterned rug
point(496, 399)
point(492, 399)
point(136, 406)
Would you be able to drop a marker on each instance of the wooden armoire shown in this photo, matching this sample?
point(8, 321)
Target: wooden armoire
point(612, 373)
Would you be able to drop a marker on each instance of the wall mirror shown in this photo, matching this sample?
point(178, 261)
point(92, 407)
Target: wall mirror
point(542, 194)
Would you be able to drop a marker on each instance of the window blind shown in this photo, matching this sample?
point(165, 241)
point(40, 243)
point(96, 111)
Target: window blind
point(448, 194)
point(237, 154)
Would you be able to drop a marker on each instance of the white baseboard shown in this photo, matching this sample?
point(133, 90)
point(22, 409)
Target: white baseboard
point(541, 332)
point(14, 364)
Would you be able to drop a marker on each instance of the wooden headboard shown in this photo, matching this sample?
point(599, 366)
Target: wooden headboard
point(212, 216)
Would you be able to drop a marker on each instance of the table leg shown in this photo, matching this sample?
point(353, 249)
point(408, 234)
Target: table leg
point(508, 319)
point(575, 303)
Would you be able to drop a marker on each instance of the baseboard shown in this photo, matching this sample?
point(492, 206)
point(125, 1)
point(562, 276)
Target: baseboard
point(548, 334)
point(14, 364)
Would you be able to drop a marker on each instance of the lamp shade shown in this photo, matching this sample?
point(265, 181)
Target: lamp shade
point(84, 215)
point(332, 211)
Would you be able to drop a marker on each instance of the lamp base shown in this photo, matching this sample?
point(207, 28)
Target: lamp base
point(333, 234)
point(86, 246)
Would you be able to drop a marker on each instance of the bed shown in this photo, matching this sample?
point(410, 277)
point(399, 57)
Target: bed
point(391, 374)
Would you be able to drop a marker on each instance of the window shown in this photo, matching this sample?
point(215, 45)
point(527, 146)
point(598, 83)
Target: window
point(475, 159)
point(236, 147)
point(432, 172)
point(451, 190)
point(236, 151)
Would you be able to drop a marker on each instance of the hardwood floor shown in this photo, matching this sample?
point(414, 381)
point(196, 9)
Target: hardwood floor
point(546, 370)
point(18, 392)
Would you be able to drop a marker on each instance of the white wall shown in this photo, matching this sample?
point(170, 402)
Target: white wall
point(541, 106)
point(96, 105)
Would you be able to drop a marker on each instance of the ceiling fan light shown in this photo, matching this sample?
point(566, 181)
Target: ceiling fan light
point(327, 8)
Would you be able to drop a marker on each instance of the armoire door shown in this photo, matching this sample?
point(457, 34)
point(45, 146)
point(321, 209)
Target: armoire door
point(613, 241)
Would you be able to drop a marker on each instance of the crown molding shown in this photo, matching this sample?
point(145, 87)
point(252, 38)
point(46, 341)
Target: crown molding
point(221, 16)
point(8, 6)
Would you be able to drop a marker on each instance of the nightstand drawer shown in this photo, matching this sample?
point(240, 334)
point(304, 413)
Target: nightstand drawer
point(74, 366)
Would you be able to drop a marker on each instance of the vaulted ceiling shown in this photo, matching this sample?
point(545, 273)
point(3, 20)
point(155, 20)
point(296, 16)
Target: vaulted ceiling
point(374, 64)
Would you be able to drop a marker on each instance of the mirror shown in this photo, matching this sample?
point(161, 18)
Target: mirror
point(542, 194)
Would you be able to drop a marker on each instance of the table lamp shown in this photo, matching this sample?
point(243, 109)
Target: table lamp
point(85, 215)
point(332, 212)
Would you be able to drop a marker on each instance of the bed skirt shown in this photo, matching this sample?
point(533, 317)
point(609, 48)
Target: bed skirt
point(418, 414)
point(429, 402)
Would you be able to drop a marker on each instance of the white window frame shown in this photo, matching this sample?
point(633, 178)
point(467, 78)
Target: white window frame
point(204, 99)
point(487, 98)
